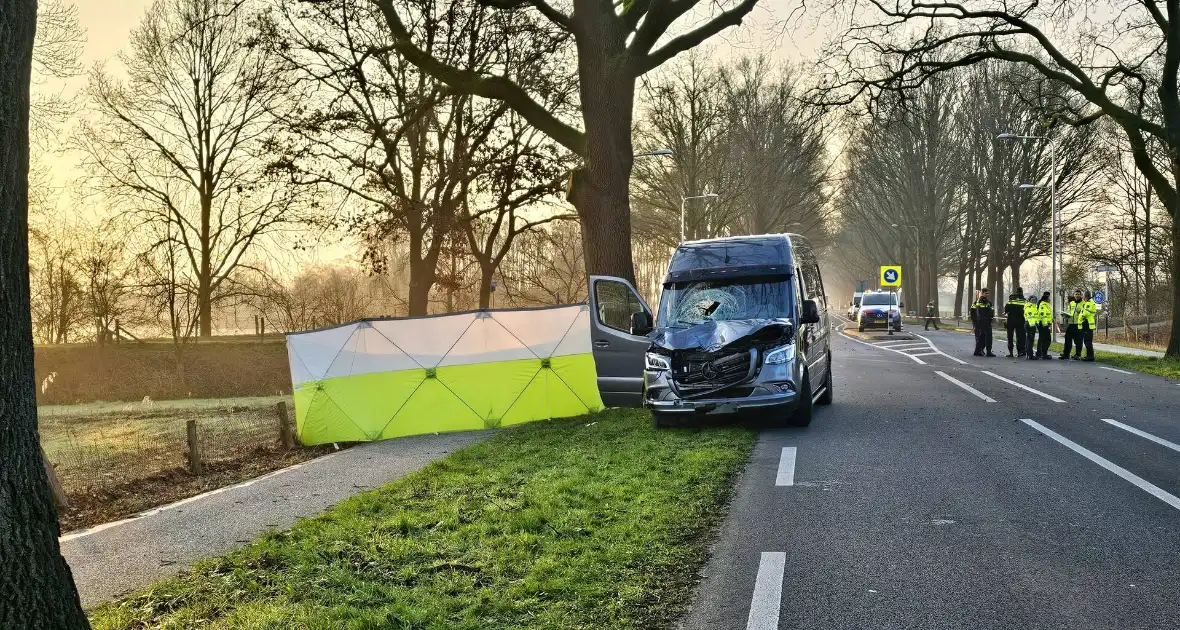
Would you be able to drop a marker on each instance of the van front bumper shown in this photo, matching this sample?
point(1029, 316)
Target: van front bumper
point(784, 400)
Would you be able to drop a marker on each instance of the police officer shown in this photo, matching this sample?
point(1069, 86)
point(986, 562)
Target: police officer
point(1014, 321)
point(931, 316)
point(1030, 326)
point(1071, 330)
point(982, 313)
point(1044, 325)
point(1087, 318)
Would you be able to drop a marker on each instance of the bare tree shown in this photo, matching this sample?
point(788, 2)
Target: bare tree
point(403, 145)
point(107, 276)
point(739, 131)
point(683, 108)
point(546, 267)
point(522, 170)
point(39, 591)
point(1124, 64)
point(615, 44)
point(58, 299)
point(182, 144)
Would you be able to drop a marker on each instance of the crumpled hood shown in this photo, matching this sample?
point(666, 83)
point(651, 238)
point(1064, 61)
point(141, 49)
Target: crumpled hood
point(713, 335)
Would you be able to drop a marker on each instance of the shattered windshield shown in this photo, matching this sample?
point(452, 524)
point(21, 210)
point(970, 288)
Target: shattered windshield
point(693, 302)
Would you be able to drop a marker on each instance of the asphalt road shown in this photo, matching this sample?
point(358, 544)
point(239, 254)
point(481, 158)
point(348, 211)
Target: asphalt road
point(112, 559)
point(933, 494)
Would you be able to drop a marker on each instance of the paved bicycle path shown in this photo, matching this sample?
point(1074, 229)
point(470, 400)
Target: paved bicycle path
point(113, 559)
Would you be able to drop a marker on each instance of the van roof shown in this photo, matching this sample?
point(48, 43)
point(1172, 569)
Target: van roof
point(735, 256)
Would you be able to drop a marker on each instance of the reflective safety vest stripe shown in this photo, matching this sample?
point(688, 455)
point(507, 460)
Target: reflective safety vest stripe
point(1030, 313)
point(1073, 312)
point(1045, 313)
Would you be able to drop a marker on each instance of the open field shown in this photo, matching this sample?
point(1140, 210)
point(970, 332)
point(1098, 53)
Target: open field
point(115, 459)
point(593, 522)
point(83, 373)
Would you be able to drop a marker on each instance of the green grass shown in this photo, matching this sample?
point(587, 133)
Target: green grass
point(1151, 365)
point(595, 522)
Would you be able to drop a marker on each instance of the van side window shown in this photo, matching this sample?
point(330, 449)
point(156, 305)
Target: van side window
point(809, 274)
point(616, 303)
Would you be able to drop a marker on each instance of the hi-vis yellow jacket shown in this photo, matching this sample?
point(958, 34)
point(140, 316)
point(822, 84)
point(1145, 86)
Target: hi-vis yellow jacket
point(1030, 312)
point(1045, 313)
point(1086, 312)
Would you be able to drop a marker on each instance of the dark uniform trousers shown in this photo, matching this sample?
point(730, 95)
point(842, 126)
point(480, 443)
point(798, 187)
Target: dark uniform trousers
point(1015, 329)
point(1046, 332)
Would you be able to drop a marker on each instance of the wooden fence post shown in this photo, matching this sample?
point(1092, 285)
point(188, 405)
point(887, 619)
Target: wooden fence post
point(59, 494)
point(285, 432)
point(194, 449)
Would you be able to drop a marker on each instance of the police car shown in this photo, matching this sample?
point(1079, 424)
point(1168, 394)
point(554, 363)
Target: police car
point(879, 309)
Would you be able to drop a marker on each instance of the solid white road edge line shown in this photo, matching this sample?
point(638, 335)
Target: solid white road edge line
point(976, 392)
point(1127, 475)
point(1103, 367)
point(925, 354)
point(786, 467)
point(1024, 387)
point(192, 499)
point(768, 592)
point(1143, 434)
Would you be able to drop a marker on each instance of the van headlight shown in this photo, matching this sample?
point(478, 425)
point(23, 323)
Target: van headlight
point(780, 355)
point(656, 362)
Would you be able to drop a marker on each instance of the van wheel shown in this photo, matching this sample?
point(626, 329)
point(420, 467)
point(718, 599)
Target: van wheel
point(826, 397)
point(802, 415)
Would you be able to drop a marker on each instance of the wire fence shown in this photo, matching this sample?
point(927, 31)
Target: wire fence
point(113, 449)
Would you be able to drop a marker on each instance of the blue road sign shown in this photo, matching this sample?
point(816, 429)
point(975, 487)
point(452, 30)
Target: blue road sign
point(1098, 297)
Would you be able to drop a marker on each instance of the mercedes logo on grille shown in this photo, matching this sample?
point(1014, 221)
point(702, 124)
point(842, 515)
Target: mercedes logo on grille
point(709, 371)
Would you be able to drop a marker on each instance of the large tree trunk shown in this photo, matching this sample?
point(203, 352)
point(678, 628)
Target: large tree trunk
point(38, 589)
point(600, 189)
point(485, 285)
point(1015, 269)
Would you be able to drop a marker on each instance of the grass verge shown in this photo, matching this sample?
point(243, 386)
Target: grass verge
point(1151, 365)
point(594, 522)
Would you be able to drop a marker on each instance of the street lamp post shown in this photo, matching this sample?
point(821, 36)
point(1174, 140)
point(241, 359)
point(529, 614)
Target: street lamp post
point(1053, 208)
point(684, 199)
point(917, 262)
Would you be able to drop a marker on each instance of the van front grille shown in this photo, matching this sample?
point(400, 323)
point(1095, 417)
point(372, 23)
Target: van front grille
point(697, 371)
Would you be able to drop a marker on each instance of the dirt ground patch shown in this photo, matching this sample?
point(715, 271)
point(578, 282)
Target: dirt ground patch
point(92, 505)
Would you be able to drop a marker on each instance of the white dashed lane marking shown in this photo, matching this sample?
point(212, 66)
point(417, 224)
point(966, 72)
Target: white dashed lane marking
point(1143, 434)
point(1024, 387)
point(768, 592)
point(786, 467)
point(972, 390)
point(1127, 475)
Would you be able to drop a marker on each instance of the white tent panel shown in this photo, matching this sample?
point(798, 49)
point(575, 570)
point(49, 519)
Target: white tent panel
point(540, 330)
point(428, 339)
point(577, 339)
point(486, 341)
point(368, 351)
point(312, 353)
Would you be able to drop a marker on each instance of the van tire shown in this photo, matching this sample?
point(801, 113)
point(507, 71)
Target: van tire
point(826, 397)
point(801, 416)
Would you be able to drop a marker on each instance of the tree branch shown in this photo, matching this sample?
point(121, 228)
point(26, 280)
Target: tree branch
point(733, 17)
point(493, 87)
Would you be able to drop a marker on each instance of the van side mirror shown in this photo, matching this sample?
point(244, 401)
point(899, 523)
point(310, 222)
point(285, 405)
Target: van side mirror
point(810, 313)
point(641, 323)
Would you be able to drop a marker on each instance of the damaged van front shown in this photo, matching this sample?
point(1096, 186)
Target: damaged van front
point(741, 327)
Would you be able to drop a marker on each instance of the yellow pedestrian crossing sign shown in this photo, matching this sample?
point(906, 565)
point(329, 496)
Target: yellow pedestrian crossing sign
point(890, 275)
